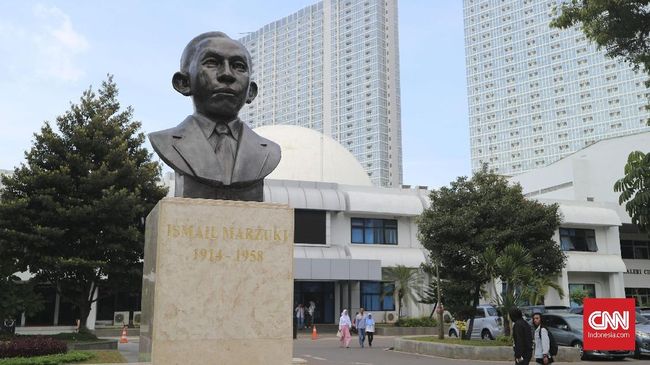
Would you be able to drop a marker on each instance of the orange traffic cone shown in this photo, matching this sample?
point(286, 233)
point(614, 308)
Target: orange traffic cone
point(314, 333)
point(123, 339)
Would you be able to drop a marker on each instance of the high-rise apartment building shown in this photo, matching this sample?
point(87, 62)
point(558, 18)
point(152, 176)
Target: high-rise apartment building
point(334, 67)
point(537, 94)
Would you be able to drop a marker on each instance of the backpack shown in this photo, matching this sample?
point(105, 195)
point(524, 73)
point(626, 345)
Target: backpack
point(552, 348)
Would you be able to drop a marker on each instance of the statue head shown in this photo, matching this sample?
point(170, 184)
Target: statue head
point(215, 71)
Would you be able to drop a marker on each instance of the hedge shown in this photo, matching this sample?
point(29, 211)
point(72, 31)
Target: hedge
point(48, 359)
point(32, 346)
point(416, 322)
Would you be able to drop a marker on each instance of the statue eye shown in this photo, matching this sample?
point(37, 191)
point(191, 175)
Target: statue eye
point(239, 66)
point(210, 62)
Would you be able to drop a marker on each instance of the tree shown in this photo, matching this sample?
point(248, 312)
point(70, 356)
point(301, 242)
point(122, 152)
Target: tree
point(622, 28)
point(74, 212)
point(635, 189)
point(513, 267)
point(406, 280)
point(15, 296)
point(538, 287)
point(471, 215)
point(578, 296)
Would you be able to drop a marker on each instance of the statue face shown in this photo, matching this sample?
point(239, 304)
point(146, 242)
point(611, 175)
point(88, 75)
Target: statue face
point(220, 78)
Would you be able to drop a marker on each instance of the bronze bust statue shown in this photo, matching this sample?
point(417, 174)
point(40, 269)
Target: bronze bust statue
point(216, 155)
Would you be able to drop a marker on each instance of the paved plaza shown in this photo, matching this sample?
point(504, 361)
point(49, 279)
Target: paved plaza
point(326, 351)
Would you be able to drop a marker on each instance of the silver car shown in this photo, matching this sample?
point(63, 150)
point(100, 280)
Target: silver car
point(488, 324)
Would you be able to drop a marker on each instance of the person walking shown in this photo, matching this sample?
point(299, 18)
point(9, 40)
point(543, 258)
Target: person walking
point(522, 337)
point(370, 328)
point(542, 341)
point(344, 327)
point(360, 323)
point(300, 315)
point(311, 310)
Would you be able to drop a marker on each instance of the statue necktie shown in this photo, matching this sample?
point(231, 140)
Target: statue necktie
point(225, 150)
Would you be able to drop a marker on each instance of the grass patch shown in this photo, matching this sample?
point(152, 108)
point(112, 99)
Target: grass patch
point(456, 341)
point(70, 357)
point(104, 357)
point(73, 357)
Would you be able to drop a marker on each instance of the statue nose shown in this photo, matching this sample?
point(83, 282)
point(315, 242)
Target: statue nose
point(225, 74)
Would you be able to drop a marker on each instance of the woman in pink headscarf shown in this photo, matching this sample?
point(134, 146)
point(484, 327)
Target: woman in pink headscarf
point(344, 327)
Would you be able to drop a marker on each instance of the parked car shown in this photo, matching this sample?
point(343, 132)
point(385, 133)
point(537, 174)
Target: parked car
point(567, 331)
point(642, 338)
point(644, 311)
point(577, 310)
point(488, 324)
point(529, 310)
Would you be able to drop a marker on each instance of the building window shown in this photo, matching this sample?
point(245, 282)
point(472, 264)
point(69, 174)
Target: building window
point(309, 226)
point(641, 296)
point(639, 250)
point(374, 231)
point(575, 239)
point(589, 289)
point(377, 296)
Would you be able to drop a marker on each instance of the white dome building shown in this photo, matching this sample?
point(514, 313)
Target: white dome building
point(308, 155)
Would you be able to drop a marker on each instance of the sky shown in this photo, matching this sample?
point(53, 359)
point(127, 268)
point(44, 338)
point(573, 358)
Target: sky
point(51, 51)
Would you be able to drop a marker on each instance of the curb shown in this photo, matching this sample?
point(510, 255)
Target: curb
point(468, 352)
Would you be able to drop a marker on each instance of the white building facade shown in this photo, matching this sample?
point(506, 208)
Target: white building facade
point(334, 67)
point(606, 254)
point(537, 94)
point(344, 236)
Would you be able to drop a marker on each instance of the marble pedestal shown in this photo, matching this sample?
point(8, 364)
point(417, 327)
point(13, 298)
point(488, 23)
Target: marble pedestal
point(217, 283)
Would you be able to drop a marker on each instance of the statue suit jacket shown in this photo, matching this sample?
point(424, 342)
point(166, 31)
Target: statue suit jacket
point(186, 149)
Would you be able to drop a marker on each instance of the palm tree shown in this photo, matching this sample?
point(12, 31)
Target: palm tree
point(405, 279)
point(536, 291)
point(512, 266)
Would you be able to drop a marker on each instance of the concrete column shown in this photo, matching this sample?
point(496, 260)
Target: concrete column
point(57, 305)
point(616, 285)
point(23, 319)
point(564, 282)
point(92, 316)
point(350, 298)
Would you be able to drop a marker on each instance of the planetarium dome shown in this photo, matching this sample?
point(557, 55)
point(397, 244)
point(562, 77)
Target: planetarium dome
point(308, 155)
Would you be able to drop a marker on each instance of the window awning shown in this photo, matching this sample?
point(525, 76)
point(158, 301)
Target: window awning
point(593, 216)
point(336, 269)
point(389, 256)
point(304, 194)
point(594, 262)
point(390, 202)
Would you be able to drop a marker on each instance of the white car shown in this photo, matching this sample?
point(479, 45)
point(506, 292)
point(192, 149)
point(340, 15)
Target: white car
point(487, 324)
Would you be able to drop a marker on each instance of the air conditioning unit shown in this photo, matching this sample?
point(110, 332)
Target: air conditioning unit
point(121, 318)
point(391, 317)
point(136, 318)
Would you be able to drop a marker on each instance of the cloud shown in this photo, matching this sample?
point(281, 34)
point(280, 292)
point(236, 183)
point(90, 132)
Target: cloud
point(58, 44)
point(40, 45)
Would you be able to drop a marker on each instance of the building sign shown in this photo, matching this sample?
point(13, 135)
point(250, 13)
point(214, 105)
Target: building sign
point(638, 271)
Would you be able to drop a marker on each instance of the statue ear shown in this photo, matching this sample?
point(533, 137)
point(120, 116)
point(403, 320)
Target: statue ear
point(252, 92)
point(181, 83)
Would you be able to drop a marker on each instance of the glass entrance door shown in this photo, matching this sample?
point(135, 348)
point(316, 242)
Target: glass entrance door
point(321, 293)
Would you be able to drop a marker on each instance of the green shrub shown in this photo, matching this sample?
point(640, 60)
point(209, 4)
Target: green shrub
point(416, 322)
point(47, 360)
point(505, 340)
point(28, 346)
